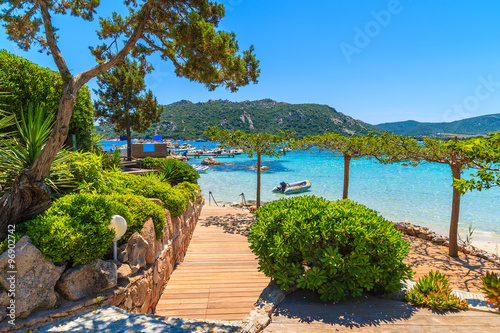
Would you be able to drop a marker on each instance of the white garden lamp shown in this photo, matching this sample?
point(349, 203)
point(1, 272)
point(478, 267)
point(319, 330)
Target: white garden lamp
point(119, 225)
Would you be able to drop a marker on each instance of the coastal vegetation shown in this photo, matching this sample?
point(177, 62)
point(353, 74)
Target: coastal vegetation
point(334, 248)
point(26, 85)
point(171, 170)
point(124, 102)
point(464, 128)
point(184, 32)
point(491, 287)
point(188, 121)
point(433, 291)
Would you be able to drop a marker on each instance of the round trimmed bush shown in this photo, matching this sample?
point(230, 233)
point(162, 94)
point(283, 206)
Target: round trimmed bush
point(335, 249)
point(139, 209)
point(75, 228)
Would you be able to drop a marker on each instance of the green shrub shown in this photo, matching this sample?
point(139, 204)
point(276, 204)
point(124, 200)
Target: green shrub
point(26, 82)
point(190, 191)
point(122, 183)
point(335, 249)
point(139, 209)
point(171, 170)
point(152, 163)
point(175, 201)
point(491, 288)
point(75, 228)
point(433, 291)
point(87, 171)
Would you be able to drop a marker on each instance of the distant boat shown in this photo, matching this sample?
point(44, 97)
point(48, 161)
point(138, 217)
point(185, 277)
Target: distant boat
point(290, 188)
point(200, 168)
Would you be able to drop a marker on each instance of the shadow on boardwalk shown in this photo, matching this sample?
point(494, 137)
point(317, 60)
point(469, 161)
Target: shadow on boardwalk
point(363, 311)
point(230, 223)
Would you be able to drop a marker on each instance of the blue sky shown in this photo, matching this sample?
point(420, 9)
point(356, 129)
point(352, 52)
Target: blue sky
point(378, 61)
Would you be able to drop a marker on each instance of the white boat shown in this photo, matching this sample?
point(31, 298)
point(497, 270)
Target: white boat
point(200, 168)
point(290, 188)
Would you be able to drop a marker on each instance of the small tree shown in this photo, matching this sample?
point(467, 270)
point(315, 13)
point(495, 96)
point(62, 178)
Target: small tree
point(120, 102)
point(407, 150)
point(252, 143)
point(350, 147)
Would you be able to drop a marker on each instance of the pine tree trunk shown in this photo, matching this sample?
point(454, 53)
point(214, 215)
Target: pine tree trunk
point(258, 180)
point(347, 164)
point(129, 139)
point(28, 195)
point(455, 212)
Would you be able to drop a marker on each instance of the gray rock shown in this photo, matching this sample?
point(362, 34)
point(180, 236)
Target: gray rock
point(136, 252)
point(35, 278)
point(84, 280)
point(148, 233)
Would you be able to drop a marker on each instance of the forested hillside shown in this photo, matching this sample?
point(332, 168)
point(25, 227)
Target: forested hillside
point(481, 125)
point(187, 120)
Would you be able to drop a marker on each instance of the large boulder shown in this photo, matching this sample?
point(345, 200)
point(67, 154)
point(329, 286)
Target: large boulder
point(84, 280)
point(148, 233)
point(136, 252)
point(210, 161)
point(33, 281)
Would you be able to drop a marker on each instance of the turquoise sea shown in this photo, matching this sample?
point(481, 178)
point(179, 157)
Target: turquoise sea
point(420, 195)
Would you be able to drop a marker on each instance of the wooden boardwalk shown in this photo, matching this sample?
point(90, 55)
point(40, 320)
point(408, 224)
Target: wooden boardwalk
point(303, 312)
point(218, 278)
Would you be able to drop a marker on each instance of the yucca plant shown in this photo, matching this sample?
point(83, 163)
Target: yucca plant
point(111, 160)
point(433, 291)
point(491, 287)
point(33, 130)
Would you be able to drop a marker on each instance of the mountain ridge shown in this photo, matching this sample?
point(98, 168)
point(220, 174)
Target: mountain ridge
point(480, 125)
point(187, 120)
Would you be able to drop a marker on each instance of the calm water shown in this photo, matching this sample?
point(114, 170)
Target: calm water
point(421, 195)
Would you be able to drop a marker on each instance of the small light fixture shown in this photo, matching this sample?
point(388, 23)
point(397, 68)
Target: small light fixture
point(119, 225)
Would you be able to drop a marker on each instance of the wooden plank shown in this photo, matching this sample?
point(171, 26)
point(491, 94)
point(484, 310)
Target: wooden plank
point(219, 278)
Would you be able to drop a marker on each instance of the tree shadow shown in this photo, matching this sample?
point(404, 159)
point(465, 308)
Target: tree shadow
point(363, 311)
point(230, 223)
point(464, 271)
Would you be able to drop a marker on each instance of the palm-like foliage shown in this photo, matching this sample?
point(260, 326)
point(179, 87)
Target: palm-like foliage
point(27, 142)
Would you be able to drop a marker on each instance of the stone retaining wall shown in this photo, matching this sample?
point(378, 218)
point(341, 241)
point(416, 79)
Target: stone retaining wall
point(138, 292)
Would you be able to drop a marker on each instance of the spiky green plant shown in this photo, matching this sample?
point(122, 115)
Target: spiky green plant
point(491, 287)
point(433, 291)
point(33, 131)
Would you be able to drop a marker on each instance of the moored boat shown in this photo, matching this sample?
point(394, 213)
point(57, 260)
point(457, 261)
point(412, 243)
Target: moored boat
point(295, 187)
point(200, 168)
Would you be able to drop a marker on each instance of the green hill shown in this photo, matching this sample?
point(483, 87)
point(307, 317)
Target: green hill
point(187, 120)
point(481, 125)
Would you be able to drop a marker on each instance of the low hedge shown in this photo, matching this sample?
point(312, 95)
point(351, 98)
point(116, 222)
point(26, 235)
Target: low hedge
point(139, 209)
point(75, 228)
point(173, 200)
point(335, 249)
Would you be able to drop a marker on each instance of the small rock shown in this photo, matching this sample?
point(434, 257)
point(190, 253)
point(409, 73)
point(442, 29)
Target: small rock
point(84, 280)
point(123, 271)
